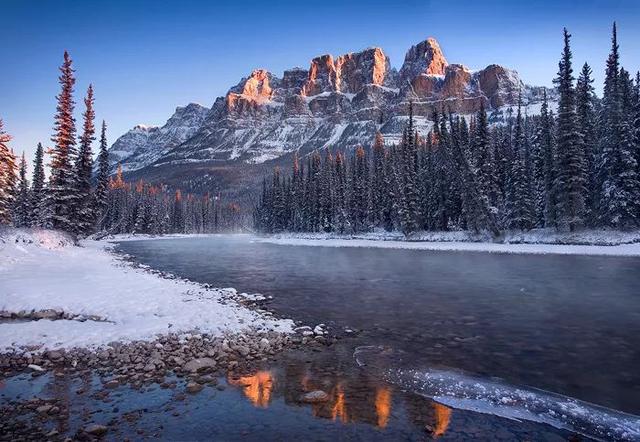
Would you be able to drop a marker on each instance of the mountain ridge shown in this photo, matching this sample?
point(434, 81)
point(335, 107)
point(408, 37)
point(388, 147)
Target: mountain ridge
point(338, 102)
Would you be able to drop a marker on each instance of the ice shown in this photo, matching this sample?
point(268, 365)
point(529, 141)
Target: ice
point(467, 392)
point(590, 242)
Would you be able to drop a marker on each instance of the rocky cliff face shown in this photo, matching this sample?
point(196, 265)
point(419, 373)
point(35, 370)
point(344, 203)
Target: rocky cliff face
point(337, 102)
point(143, 145)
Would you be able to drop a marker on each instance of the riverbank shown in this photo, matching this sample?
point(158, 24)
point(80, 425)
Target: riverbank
point(89, 298)
point(72, 310)
point(539, 241)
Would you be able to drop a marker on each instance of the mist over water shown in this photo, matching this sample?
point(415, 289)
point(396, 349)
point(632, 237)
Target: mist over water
point(565, 324)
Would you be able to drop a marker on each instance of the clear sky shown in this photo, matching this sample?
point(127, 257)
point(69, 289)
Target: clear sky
point(147, 57)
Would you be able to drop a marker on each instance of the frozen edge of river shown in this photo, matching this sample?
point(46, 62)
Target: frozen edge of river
point(587, 242)
point(629, 249)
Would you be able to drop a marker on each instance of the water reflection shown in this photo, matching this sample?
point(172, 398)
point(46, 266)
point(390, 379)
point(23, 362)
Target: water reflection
point(383, 405)
point(257, 388)
point(353, 397)
point(443, 417)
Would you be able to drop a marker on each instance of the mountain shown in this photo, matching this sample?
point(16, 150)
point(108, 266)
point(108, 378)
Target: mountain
point(336, 103)
point(143, 145)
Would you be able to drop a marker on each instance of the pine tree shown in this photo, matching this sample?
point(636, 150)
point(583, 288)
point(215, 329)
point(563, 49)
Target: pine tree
point(61, 184)
point(407, 175)
point(102, 184)
point(378, 190)
point(37, 218)
point(22, 206)
point(518, 204)
point(7, 177)
point(84, 214)
point(570, 165)
point(587, 123)
point(618, 171)
point(485, 164)
point(341, 216)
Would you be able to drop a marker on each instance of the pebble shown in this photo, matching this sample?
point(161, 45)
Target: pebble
point(193, 387)
point(314, 397)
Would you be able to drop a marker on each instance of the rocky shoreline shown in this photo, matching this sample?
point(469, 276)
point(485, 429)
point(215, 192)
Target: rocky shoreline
point(186, 362)
point(198, 360)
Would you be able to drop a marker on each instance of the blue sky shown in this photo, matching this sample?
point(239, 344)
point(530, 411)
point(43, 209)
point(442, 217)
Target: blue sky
point(147, 57)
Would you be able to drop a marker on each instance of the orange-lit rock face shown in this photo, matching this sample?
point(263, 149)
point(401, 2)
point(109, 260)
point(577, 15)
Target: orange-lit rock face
point(456, 81)
point(383, 405)
point(256, 388)
point(443, 417)
point(426, 86)
point(322, 74)
point(348, 73)
point(255, 90)
point(424, 58)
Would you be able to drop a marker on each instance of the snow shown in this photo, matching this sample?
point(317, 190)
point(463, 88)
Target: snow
point(43, 270)
point(603, 243)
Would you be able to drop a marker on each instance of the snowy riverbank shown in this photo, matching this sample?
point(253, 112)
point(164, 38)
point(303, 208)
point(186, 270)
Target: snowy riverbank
point(587, 242)
point(42, 271)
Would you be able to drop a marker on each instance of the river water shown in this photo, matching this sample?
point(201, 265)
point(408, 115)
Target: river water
point(568, 325)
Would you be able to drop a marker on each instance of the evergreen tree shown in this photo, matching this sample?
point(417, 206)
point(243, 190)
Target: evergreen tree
point(585, 97)
point(484, 162)
point(102, 184)
point(618, 171)
point(407, 176)
point(518, 203)
point(571, 174)
point(378, 185)
point(22, 207)
point(84, 214)
point(61, 184)
point(7, 176)
point(38, 216)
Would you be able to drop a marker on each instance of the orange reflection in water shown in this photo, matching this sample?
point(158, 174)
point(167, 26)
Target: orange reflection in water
point(339, 409)
point(383, 405)
point(443, 417)
point(256, 388)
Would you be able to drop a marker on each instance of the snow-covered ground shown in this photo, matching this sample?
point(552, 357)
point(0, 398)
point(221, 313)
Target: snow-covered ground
point(588, 242)
point(42, 270)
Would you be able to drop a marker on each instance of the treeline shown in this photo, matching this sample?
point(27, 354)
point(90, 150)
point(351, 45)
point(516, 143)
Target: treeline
point(82, 199)
point(154, 209)
point(578, 167)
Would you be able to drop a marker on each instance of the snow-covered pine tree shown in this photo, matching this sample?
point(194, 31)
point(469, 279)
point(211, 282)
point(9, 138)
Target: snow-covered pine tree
point(22, 206)
point(326, 196)
point(340, 206)
point(61, 185)
point(618, 172)
point(571, 180)
point(518, 202)
point(585, 97)
point(358, 200)
point(7, 176)
point(84, 213)
point(102, 181)
point(37, 217)
point(378, 190)
point(485, 163)
point(408, 171)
